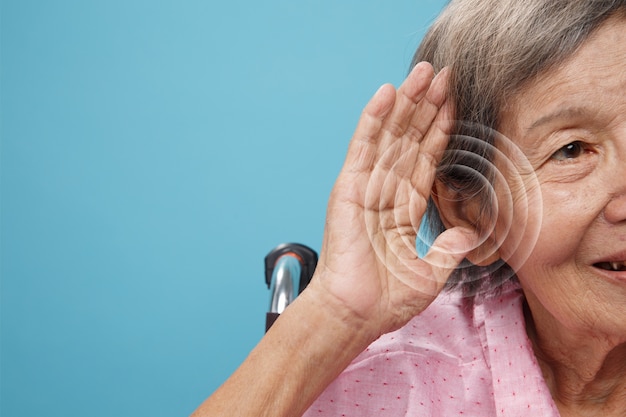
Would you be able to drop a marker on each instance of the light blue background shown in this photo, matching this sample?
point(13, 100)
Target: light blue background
point(152, 153)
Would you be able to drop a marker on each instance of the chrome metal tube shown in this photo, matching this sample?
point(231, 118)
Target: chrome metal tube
point(284, 283)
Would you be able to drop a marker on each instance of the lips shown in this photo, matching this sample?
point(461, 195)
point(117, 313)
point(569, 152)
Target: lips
point(611, 266)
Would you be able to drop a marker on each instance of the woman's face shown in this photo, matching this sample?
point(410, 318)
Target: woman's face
point(571, 125)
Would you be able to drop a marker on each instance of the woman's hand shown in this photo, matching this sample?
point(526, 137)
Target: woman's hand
point(369, 268)
point(369, 279)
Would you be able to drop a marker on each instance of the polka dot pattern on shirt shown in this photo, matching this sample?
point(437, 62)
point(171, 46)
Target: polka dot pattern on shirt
point(449, 361)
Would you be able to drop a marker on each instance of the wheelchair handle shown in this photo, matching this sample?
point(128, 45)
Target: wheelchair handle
point(288, 270)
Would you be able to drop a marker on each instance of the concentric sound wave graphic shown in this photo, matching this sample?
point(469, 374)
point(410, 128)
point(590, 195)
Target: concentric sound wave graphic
point(490, 186)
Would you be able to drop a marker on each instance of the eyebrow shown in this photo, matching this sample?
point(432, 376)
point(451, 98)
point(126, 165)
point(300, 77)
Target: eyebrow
point(566, 113)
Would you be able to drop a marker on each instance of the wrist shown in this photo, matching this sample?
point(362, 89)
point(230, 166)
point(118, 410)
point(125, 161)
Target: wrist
point(343, 323)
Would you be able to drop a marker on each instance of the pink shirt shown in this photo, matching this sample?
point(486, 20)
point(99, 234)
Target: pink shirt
point(452, 360)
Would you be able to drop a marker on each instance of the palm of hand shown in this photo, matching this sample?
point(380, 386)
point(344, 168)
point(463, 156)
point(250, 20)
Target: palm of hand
point(368, 263)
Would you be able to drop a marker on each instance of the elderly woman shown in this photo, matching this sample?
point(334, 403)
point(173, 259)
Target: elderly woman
point(516, 152)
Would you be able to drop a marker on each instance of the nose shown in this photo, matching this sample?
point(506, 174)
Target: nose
point(615, 210)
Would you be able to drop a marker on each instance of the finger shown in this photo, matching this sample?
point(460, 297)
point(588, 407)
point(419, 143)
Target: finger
point(416, 170)
point(362, 149)
point(431, 149)
point(429, 275)
point(387, 116)
point(415, 125)
point(448, 250)
point(410, 94)
point(400, 183)
point(401, 157)
point(429, 107)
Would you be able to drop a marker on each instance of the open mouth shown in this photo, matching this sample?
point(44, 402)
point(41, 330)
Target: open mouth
point(611, 266)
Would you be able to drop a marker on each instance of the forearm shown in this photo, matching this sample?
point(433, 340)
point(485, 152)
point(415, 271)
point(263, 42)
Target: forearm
point(369, 280)
point(304, 351)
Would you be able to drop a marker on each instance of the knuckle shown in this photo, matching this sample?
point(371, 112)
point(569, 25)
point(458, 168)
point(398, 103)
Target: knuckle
point(395, 128)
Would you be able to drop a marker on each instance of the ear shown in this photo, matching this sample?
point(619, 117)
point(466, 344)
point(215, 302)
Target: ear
point(457, 210)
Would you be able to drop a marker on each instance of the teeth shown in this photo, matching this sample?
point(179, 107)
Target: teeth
point(612, 266)
point(618, 266)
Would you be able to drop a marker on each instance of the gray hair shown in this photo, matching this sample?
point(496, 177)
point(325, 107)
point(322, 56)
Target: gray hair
point(494, 48)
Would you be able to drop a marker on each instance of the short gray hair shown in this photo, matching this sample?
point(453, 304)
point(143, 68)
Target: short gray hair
point(494, 48)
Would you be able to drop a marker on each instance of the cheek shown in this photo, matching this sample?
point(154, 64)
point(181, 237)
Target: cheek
point(558, 228)
point(553, 249)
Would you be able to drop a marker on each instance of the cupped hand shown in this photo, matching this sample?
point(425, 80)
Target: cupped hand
point(368, 265)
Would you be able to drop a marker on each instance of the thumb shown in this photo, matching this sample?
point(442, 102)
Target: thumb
point(448, 250)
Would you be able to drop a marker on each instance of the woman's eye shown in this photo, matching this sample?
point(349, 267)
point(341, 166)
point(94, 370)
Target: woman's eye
point(570, 151)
